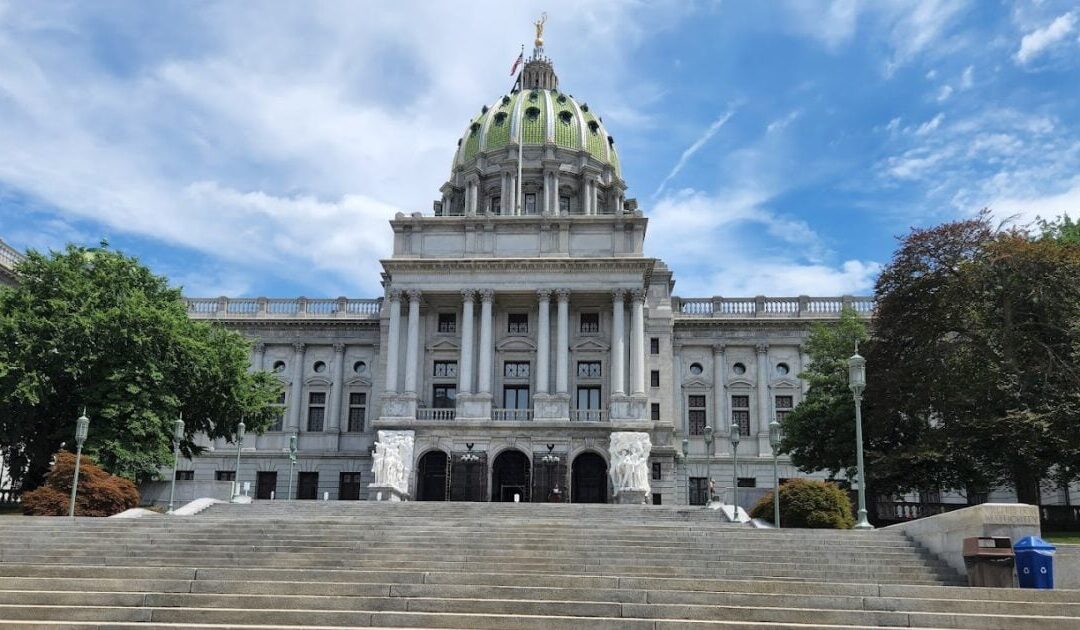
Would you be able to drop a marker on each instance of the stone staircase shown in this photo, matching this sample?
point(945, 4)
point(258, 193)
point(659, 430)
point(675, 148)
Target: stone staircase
point(482, 565)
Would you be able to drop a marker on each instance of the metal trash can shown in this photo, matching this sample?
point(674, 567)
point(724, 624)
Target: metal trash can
point(989, 561)
point(1034, 562)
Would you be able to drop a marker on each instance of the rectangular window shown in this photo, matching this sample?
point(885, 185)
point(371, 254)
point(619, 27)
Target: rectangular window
point(657, 471)
point(279, 417)
point(654, 345)
point(516, 397)
point(654, 411)
point(357, 411)
point(590, 323)
point(495, 205)
point(699, 491)
point(657, 498)
point(564, 205)
point(697, 414)
point(588, 398)
point(516, 369)
point(185, 475)
point(654, 378)
point(225, 475)
point(447, 322)
point(444, 369)
point(530, 203)
point(783, 407)
point(588, 369)
point(517, 323)
point(750, 482)
point(316, 411)
point(444, 396)
point(740, 413)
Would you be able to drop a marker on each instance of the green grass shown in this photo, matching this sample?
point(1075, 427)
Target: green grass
point(1062, 538)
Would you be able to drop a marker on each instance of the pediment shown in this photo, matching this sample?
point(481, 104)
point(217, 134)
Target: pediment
point(516, 344)
point(697, 382)
point(787, 382)
point(445, 343)
point(358, 381)
point(317, 380)
point(740, 382)
point(590, 344)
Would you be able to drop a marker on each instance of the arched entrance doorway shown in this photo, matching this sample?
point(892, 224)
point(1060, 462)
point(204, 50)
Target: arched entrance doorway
point(510, 476)
point(588, 479)
point(431, 477)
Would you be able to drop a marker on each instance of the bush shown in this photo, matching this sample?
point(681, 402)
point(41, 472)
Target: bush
point(100, 494)
point(808, 503)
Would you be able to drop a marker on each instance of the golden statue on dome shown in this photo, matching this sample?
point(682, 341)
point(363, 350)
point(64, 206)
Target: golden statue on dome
point(540, 30)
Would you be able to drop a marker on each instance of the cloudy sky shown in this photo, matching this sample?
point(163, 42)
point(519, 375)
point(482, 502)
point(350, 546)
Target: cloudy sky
point(258, 148)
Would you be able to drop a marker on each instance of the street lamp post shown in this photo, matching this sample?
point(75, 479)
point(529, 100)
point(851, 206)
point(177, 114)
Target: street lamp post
point(178, 434)
point(82, 428)
point(292, 461)
point(735, 436)
point(708, 462)
point(239, 443)
point(774, 441)
point(857, 383)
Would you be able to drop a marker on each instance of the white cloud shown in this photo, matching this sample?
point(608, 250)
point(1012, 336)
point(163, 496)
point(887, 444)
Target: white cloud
point(761, 252)
point(694, 148)
point(930, 125)
point(967, 79)
point(1036, 42)
point(944, 93)
point(1025, 210)
point(781, 123)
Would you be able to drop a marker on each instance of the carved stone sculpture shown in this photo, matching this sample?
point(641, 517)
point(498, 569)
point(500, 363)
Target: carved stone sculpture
point(630, 462)
point(392, 460)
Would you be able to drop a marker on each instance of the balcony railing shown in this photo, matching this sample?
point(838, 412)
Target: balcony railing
point(283, 308)
point(435, 413)
point(588, 415)
point(512, 415)
point(9, 256)
point(770, 307)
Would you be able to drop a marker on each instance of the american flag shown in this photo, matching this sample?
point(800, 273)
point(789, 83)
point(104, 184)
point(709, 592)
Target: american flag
point(517, 62)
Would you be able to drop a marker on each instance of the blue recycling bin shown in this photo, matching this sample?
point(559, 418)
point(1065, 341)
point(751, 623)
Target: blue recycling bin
point(1034, 562)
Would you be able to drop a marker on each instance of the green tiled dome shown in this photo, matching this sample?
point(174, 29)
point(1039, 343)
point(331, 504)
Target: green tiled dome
point(540, 116)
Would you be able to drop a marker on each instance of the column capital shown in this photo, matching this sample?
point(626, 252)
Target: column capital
point(637, 295)
point(563, 294)
point(544, 295)
point(487, 295)
point(468, 295)
point(618, 295)
point(719, 348)
point(414, 295)
point(339, 348)
point(762, 348)
point(394, 295)
point(299, 347)
point(259, 347)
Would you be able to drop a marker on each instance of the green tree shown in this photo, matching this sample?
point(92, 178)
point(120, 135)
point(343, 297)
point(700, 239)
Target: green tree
point(95, 329)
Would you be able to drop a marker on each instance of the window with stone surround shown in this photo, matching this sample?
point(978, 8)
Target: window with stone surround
point(357, 411)
point(657, 471)
point(516, 369)
point(279, 413)
point(654, 345)
point(698, 416)
point(740, 413)
point(654, 411)
point(516, 397)
point(316, 418)
point(564, 205)
point(654, 378)
point(447, 322)
point(530, 203)
point(517, 323)
point(444, 396)
point(225, 475)
point(783, 406)
point(588, 369)
point(444, 369)
point(590, 323)
point(185, 475)
point(588, 398)
point(494, 205)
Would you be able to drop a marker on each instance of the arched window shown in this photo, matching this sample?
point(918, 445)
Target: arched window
point(500, 118)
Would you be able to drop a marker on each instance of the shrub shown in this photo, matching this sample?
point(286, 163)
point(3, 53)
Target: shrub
point(808, 503)
point(100, 494)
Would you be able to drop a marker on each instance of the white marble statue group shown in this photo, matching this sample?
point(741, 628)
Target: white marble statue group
point(392, 460)
point(630, 461)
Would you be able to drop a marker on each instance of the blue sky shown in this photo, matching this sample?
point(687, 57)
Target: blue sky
point(778, 147)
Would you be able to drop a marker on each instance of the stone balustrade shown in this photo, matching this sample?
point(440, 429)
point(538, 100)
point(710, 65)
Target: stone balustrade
point(433, 413)
point(512, 415)
point(9, 256)
point(283, 308)
point(801, 307)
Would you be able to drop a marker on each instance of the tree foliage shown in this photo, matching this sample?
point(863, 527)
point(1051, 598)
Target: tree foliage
point(95, 329)
point(100, 494)
point(808, 503)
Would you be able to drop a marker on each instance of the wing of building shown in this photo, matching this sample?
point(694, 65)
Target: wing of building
point(522, 334)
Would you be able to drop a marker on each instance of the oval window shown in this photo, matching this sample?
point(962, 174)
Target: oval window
point(359, 367)
point(738, 368)
point(500, 118)
point(320, 367)
point(782, 369)
point(279, 366)
point(533, 113)
point(565, 117)
point(696, 369)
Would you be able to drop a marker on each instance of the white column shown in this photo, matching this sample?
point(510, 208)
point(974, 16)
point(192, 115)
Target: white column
point(764, 408)
point(483, 378)
point(618, 342)
point(412, 341)
point(468, 296)
point(543, 339)
point(804, 363)
point(720, 421)
point(637, 342)
point(259, 363)
point(547, 193)
point(472, 194)
point(555, 193)
point(594, 196)
point(562, 339)
point(334, 407)
point(393, 334)
point(296, 398)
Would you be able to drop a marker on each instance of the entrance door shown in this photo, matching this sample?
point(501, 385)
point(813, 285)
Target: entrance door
point(307, 485)
point(510, 476)
point(589, 479)
point(431, 482)
point(349, 486)
point(265, 484)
